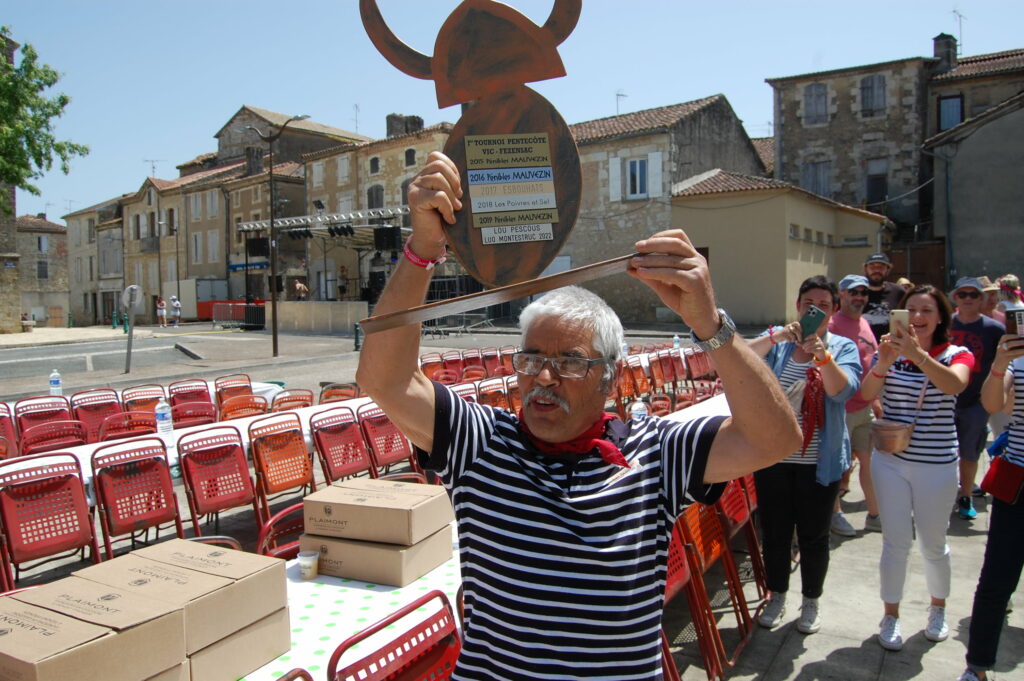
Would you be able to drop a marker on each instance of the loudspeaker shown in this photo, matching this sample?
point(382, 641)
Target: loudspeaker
point(387, 238)
point(259, 247)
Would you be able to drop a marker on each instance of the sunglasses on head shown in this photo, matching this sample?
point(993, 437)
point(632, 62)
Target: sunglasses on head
point(967, 294)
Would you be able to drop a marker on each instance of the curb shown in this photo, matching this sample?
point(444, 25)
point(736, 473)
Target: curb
point(186, 351)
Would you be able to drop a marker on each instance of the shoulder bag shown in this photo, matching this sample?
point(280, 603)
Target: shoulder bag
point(892, 437)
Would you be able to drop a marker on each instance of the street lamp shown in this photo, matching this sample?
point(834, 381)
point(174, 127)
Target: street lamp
point(270, 139)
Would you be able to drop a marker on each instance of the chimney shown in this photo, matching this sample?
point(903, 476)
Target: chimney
point(41, 216)
point(945, 52)
point(253, 161)
point(397, 124)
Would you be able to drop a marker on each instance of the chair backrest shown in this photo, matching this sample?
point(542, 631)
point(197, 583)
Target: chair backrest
point(505, 353)
point(473, 373)
point(5, 448)
point(668, 367)
point(428, 649)
point(703, 529)
point(234, 385)
point(491, 358)
point(492, 393)
point(279, 536)
point(446, 377)
point(452, 361)
point(678, 568)
point(215, 469)
point(279, 452)
point(751, 490)
point(53, 435)
point(471, 357)
point(733, 507)
point(661, 404)
point(654, 366)
point(636, 367)
point(127, 424)
point(241, 406)
point(430, 364)
point(188, 414)
point(339, 444)
point(142, 397)
point(624, 383)
point(8, 430)
point(43, 506)
point(189, 390)
point(31, 411)
point(91, 407)
point(293, 398)
point(133, 487)
point(336, 392)
point(515, 398)
point(386, 442)
point(466, 391)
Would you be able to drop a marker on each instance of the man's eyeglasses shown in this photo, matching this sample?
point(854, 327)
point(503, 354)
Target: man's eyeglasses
point(565, 367)
point(967, 294)
point(858, 292)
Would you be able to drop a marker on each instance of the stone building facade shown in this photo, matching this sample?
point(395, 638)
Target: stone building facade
point(84, 271)
point(43, 270)
point(10, 298)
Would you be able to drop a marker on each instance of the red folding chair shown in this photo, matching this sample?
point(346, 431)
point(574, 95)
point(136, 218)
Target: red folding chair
point(430, 364)
point(8, 431)
point(5, 449)
point(446, 377)
point(292, 399)
point(336, 392)
point(679, 577)
point(492, 393)
point(91, 407)
point(625, 389)
point(216, 473)
point(466, 391)
point(426, 650)
point(661, 404)
point(473, 373)
point(134, 491)
point(234, 385)
point(734, 510)
point(44, 512)
point(668, 367)
point(453, 361)
point(142, 397)
point(127, 424)
point(279, 456)
point(240, 406)
point(654, 367)
point(640, 381)
point(471, 357)
point(515, 398)
point(51, 436)
point(32, 411)
point(385, 441)
point(492, 360)
point(279, 536)
point(189, 390)
point(188, 414)
point(505, 353)
point(339, 444)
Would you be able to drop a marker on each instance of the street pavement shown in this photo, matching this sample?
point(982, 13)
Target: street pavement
point(844, 650)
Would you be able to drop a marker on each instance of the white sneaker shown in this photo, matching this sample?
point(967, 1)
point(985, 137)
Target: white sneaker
point(936, 629)
point(889, 633)
point(773, 612)
point(810, 620)
point(873, 523)
point(969, 675)
point(842, 526)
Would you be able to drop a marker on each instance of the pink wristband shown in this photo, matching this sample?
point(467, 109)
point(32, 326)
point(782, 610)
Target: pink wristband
point(422, 262)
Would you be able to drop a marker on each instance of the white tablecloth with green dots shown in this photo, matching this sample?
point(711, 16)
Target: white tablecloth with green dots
point(327, 610)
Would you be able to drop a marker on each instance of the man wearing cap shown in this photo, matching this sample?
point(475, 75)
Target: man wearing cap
point(980, 335)
point(882, 295)
point(990, 300)
point(175, 310)
point(849, 322)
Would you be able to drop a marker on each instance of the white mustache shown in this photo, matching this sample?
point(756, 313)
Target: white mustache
point(545, 394)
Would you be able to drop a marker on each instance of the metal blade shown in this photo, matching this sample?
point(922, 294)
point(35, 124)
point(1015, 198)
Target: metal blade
point(494, 296)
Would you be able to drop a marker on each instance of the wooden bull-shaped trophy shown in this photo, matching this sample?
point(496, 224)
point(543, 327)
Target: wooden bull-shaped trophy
point(517, 158)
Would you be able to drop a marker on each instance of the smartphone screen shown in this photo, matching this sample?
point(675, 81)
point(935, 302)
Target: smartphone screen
point(1015, 322)
point(811, 320)
point(899, 318)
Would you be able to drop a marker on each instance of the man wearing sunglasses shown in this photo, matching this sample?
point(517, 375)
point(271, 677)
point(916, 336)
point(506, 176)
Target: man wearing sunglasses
point(565, 514)
point(980, 334)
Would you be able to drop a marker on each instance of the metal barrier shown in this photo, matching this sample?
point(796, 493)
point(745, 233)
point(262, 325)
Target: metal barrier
point(239, 316)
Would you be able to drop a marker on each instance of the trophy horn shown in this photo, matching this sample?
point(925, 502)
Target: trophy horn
point(401, 56)
point(563, 18)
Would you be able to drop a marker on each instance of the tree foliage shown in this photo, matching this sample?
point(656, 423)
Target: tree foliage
point(28, 146)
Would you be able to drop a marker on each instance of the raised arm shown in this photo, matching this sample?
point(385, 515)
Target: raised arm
point(388, 363)
point(997, 389)
point(763, 427)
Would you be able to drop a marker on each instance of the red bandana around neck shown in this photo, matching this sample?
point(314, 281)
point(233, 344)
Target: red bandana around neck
point(581, 444)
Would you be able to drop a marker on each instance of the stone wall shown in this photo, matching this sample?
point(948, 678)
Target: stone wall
point(10, 296)
point(45, 298)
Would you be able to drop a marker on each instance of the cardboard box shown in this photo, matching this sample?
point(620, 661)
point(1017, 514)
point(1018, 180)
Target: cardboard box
point(244, 651)
point(179, 672)
point(378, 511)
point(150, 634)
point(378, 562)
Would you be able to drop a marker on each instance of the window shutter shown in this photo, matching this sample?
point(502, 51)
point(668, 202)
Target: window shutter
point(614, 178)
point(654, 174)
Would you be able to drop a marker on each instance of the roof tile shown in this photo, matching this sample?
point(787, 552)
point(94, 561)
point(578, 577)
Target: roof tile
point(984, 65)
point(638, 121)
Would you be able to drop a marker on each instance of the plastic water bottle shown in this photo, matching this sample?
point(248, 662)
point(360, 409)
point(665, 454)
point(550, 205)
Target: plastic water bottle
point(638, 409)
point(676, 343)
point(625, 350)
point(56, 386)
point(164, 424)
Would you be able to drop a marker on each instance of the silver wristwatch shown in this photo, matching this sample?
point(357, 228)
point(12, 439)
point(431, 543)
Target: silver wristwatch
point(720, 338)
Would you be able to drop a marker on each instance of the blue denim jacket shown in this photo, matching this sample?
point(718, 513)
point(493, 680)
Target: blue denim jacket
point(834, 443)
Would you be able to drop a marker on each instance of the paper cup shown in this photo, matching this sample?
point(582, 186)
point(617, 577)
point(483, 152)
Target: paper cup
point(308, 562)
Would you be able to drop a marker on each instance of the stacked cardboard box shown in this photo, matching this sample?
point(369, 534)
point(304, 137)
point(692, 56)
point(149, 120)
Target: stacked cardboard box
point(378, 531)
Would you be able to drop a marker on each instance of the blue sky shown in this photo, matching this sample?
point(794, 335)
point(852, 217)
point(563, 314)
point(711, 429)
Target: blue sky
point(156, 80)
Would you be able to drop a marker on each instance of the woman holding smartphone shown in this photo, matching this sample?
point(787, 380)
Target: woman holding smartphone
point(917, 487)
point(1004, 552)
point(820, 371)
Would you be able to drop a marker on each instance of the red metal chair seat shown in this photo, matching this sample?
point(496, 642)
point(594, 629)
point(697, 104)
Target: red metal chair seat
point(53, 435)
point(127, 424)
point(216, 473)
point(91, 407)
point(234, 385)
point(241, 406)
point(473, 373)
point(186, 414)
point(336, 392)
point(142, 397)
point(292, 399)
point(189, 390)
point(32, 411)
point(492, 393)
point(339, 444)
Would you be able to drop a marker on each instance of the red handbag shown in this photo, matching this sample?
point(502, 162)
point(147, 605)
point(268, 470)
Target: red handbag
point(1004, 480)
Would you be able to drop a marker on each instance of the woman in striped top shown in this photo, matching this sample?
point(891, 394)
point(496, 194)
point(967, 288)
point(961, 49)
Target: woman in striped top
point(1004, 553)
point(799, 492)
point(917, 487)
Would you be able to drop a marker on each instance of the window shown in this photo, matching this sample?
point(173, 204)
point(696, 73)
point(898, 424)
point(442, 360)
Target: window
point(807, 234)
point(78, 270)
point(197, 207)
point(236, 199)
point(877, 187)
point(154, 228)
point(375, 196)
point(138, 274)
point(410, 157)
point(92, 230)
point(344, 204)
point(794, 231)
point(815, 104)
point(374, 165)
point(212, 246)
point(343, 164)
point(256, 194)
point(43, 242)
point(816, 177)
point(872, 96)
point(136, 228)
point(171, 218)
point(73, 227)
point(92, 268)
point(239, 236)
point(172, 269)
point(951, 111)
point(318, 174)
point(211, 203)
point(819, 237)
point(197, 248)
point(636, 181)
point(149, 197)
point(42, 269)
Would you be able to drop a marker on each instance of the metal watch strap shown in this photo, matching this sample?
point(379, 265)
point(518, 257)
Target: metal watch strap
point(720, 338)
